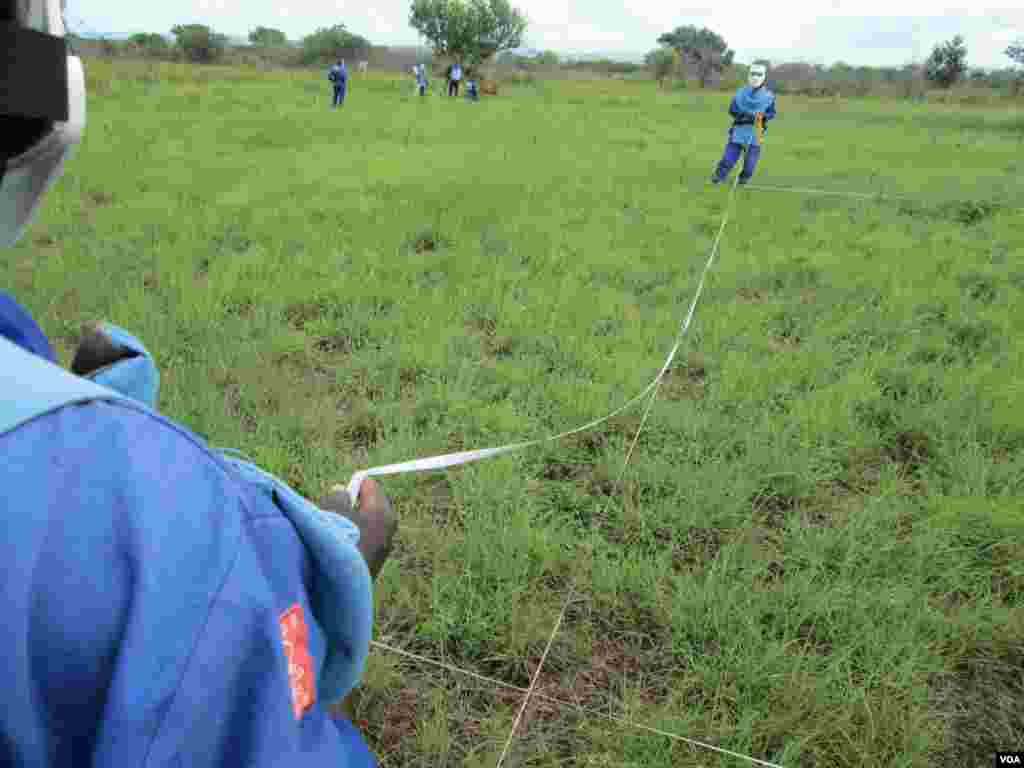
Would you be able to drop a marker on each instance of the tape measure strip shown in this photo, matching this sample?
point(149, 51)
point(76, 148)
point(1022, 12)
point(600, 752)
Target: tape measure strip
point(467, 457)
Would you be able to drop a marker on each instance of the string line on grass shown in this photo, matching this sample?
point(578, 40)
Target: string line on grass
point(623, 721)
point(858, 195)
point(636, 437)
point(466, 457)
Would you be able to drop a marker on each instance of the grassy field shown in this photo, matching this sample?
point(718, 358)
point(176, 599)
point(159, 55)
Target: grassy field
point(816, 555)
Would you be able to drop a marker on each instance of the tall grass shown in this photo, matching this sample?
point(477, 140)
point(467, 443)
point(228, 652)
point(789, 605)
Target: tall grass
point(815, 555)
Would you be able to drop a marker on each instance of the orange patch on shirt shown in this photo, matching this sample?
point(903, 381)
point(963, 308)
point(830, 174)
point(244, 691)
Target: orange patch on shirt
point(295, 638)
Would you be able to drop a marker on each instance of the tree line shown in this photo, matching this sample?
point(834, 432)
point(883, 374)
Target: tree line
point(476, 32)
point(200, 44)
point(704, 55)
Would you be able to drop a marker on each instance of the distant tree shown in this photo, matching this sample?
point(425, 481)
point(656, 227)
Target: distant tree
point(267, 37)
point(198, 42)
point(840, 70)
point(149, 43)
point(703, 50)
point(1016, 52)
point(330, 43)
point(947, 63)
point(549, 58)
point(470, 31)
point(662, 62)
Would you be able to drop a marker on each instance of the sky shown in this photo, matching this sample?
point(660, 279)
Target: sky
point(865, 32)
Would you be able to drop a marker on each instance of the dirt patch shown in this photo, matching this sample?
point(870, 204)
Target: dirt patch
point(99, 198)
point(44, 240)
point(239, 307)
point(499, 346)
point(626, 425)
point(363, 428)
point(699, 547)
point(783, 343)
point(482, 324)
point(751, 295)
point(427, 242)
point(69, 305)
point(863, 470)
point(598, 481)
point(813, 638)
point(687, 382)
point(399, 720)
point(338, 343)
point(979, 696)
point(772, 507)
point(300, 313)
point(409, 377)
point(1007, 579)
point(234, 402)
point(913, 450)
point(560, 471)
point(591, 442)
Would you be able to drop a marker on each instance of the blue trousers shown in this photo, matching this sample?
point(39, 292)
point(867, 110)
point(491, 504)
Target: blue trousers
point(339, 95)
point(732, 154)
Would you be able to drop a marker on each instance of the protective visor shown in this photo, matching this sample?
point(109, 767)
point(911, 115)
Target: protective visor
point(42, 116)
point(756, 76)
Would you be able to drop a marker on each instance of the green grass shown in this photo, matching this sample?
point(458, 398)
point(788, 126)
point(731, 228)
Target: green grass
point(815, 557)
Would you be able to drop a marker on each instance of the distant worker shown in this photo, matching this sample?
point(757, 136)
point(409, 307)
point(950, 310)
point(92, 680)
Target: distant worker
point(751, 108)
point(454, 77)
point(472, 93)
point(420, 71)
point(338, 75)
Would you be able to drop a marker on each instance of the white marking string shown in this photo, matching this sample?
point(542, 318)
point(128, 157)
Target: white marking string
point(466, 457)
point(618, 482)
point(565, 703)
point(864, 195)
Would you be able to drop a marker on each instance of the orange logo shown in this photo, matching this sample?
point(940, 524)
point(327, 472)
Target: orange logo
point(295, 638)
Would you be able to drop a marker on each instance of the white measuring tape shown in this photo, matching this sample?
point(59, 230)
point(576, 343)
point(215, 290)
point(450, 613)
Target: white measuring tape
point(466, 457)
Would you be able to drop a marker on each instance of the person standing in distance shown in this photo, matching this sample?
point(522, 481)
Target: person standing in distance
point(338, 75)
point(454, 78)
point(751, 109)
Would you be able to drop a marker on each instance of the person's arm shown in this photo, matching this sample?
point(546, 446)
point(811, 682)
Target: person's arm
point(154, 585)
point(769, 114)
point(741, 117)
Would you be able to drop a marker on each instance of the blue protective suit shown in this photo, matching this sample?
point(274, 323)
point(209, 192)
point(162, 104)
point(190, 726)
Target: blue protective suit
point(338, 75)
point(146, 584)
point(743, 106)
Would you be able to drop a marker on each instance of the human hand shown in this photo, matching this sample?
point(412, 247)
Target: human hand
point(373, 516)
point(97, 350)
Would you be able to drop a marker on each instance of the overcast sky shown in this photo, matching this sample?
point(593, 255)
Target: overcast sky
point(864, 32)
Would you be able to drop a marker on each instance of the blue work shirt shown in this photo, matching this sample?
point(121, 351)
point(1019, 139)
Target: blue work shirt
point(338, 75)
point(748, 101)
point(148, 595)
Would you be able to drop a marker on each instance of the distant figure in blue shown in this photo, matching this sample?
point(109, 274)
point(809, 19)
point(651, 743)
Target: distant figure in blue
point(454, 77)
point(472, 93)
point(420, 71)
point(338, 75)
point(751, 105)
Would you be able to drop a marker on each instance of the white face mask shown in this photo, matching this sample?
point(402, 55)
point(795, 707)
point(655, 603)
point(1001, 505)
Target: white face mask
point(756, 76)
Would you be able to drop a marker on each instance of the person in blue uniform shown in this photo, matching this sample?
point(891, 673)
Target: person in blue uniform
point(338, 75)
point(165, 603)
point(751, 109)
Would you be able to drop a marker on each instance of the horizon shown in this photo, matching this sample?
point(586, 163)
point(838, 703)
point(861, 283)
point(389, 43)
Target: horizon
point(798, 32)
